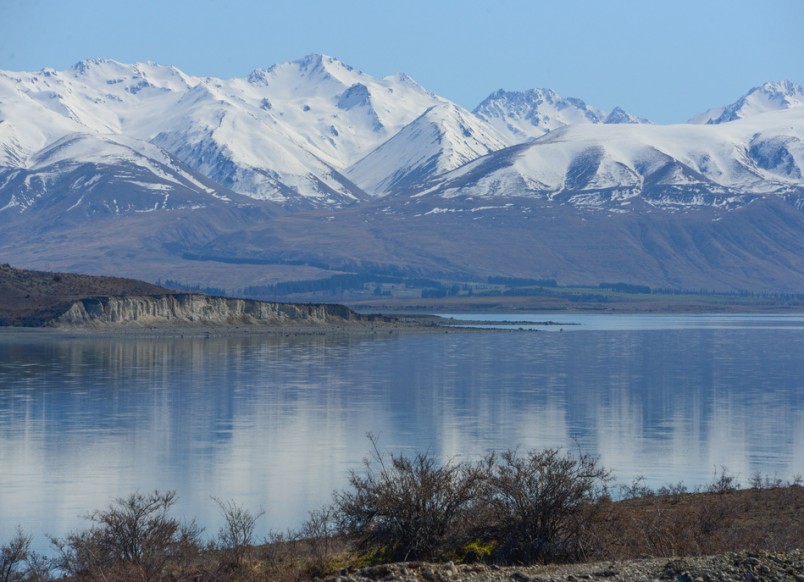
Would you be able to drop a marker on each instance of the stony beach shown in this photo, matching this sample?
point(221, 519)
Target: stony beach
point(760, 566)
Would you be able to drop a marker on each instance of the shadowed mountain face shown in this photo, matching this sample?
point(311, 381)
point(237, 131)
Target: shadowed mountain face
point(754, 247)
point(311, 168)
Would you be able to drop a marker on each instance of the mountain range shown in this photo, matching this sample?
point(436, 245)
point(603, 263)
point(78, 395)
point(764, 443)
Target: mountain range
point(310, 168)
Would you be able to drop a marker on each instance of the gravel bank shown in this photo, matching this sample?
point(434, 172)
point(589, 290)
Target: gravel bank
point(756, 566)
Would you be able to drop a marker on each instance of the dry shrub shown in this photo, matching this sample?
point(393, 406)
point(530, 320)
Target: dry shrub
point(672, 522)
point(540, 504)
point(521, 507)
point(18, 563)
point(133, 539)
point(284, 557)
point(236, 535)
point(403, 508)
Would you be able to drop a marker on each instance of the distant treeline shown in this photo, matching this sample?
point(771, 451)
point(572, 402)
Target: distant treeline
point(741, 293)
point(625, 288)
point(379, 282)
point(171, 284)
point(337, 284)
point(517, 282)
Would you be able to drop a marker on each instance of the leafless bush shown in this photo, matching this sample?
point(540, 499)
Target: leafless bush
point(760, 481)
point(283, 556)
point(723, 481)
point(673, 490)
point(526, 507)
point(636, 489)
point(543, 502)
point(236, 536)
point(406, 507)
point(18, 563)
point(133, 539)
point(13, 556)
point(318, 532)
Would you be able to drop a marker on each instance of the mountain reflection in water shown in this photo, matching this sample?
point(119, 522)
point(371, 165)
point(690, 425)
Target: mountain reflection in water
point(276, 422)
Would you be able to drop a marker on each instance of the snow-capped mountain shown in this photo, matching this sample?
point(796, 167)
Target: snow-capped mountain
point(677, 166)
point(143, 166)
point(283, 134)
point(442, 138)
point(767, 97)
point(523, 115)
point(318, 133)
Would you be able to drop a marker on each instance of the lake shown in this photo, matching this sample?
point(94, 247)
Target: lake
point(276, 422)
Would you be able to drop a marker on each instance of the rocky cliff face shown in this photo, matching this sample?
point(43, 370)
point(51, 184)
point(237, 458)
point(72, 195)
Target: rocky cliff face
point(196, 309)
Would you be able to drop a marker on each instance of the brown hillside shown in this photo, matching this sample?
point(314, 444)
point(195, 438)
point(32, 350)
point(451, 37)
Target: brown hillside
point(32, 298)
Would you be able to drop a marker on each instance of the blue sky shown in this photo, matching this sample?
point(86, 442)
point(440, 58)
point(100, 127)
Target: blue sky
point(664, 60)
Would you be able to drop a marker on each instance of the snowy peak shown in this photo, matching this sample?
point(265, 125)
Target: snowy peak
point(114, 76)
point(314, 74)
point(441, 139)
point(88, 66)
point(768, 97)
point(338, 113)
point(319, 64)
point(523, 115)
point(618, 115)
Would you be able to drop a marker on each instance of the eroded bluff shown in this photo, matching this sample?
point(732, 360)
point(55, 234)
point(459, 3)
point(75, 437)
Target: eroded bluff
point(197, 309)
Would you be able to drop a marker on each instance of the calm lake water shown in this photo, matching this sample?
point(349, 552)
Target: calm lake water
point(275, 423)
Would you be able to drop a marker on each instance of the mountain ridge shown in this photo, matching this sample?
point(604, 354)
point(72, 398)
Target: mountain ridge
point(296, 133)
point(312, 166)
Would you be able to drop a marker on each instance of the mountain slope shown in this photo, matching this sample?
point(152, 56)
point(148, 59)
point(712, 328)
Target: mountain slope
point(671, 167)
point(86, 174)
point(249, 153)
point(443, 138)
point(756, 246)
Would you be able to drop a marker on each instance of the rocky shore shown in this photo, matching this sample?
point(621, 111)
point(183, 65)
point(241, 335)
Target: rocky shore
point(764, 566)
point(199, 309)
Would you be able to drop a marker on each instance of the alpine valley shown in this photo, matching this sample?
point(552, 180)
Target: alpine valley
point(309, 169)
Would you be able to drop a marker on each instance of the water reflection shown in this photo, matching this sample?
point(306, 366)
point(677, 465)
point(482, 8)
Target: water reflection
point(276, 422)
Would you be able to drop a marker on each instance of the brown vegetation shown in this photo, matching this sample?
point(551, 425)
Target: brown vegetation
point(514, 508)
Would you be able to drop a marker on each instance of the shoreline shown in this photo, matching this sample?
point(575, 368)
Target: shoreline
point(525, 305)
point(386, 323)
point(429, 324)
point(687, 543)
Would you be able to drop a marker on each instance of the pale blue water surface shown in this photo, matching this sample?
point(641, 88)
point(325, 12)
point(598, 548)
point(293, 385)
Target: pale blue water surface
point(275, 423)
